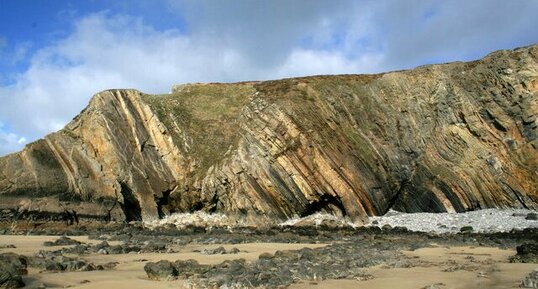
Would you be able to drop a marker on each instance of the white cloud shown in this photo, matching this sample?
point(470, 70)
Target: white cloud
point(115, 51)
point(247, 41)
point(9, 142)
point(302, 62)
point(98, 56)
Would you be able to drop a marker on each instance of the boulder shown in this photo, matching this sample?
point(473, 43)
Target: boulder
point(526, 253)
point(62, 241)
point(532, 216)
point(466, 229)
point(216, 251)
point(12, 268)
point(162, 270)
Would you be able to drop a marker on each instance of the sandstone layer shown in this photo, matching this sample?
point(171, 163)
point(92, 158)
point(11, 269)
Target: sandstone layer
point(450, 137)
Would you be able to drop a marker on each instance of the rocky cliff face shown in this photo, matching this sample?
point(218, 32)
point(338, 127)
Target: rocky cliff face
point(450, 137)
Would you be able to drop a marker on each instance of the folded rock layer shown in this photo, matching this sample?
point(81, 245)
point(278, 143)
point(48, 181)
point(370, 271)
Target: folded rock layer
point(450, 137)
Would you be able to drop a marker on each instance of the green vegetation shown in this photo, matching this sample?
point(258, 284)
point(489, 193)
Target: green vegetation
point(203, 118)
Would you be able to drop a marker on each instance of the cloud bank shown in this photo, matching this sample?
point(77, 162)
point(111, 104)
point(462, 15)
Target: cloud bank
point(249, 40)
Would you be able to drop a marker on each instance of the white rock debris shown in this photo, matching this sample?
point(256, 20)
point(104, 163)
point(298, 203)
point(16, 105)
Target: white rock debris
point(318, 219)
point(181, 220)
point(482, 221)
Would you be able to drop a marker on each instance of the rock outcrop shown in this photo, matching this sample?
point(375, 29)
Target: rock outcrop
point(451, 137)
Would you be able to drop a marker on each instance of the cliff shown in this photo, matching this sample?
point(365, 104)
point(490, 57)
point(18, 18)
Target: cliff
point(450, 137)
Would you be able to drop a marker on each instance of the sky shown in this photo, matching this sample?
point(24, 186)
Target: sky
point(56, 54)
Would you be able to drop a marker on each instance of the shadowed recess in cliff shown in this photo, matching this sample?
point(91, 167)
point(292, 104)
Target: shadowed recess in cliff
point(162, 203)
point(130, 205)
point(326, 204)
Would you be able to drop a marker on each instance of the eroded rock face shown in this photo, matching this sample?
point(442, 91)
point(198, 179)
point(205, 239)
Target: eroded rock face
point(451, 137)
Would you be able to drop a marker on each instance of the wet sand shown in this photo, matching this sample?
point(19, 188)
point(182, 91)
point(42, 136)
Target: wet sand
point(448, 267)
point(129, 273)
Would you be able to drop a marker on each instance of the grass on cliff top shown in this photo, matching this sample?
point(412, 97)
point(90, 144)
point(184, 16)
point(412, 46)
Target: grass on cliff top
point(203, 118)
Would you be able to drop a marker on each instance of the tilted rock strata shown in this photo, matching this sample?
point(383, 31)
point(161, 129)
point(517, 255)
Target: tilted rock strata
point(450, 137)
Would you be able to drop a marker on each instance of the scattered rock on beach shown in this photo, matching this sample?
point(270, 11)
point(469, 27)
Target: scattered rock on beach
point(435, 286)
point(62, 241)
point(526, 253)
point(337, 261)
point(55, 261)
point(532, 216)
point(531, 281)
point(162, 270)
point(190, 267)
point(219, 251)
point(466, 229)
point(12, 267)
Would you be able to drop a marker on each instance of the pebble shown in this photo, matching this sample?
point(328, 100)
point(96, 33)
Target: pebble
point(531, 281)
point(481, 221)
point(532, 216)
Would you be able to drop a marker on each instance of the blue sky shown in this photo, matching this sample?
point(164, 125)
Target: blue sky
point(54, 55)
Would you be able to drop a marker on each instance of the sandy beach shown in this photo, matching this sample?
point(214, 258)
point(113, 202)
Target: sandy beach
point(477, 267)
point(129, 273)
point(443, 267)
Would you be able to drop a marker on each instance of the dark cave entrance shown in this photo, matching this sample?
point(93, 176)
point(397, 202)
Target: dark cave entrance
point(326, 204)
point(162, 204)
point(131, 206)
